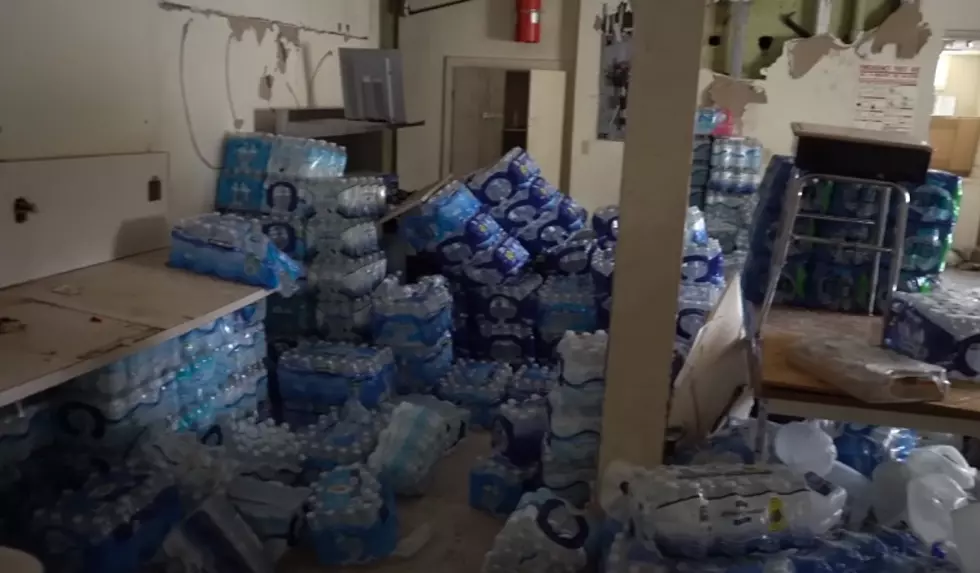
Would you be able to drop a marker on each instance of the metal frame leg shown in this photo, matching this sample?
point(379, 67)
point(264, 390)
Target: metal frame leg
point(761, 446)
point(791, 208)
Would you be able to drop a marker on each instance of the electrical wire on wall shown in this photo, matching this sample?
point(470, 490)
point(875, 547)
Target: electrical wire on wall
point(183, 97)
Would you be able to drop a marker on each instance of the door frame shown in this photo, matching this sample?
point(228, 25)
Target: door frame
point(453, 62)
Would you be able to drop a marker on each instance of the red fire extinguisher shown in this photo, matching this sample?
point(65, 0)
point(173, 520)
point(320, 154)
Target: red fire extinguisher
point(529, 21)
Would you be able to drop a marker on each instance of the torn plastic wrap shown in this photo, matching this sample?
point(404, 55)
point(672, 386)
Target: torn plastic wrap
point(868, 373)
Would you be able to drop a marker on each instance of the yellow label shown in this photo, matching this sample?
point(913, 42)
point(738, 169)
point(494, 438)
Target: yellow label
point(777, 518)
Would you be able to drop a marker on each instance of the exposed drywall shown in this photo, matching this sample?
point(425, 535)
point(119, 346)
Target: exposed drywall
point(827, 93)
point(118, 76)
point(476, 29)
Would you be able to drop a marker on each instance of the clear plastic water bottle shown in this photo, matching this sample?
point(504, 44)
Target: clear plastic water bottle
point(695, 231)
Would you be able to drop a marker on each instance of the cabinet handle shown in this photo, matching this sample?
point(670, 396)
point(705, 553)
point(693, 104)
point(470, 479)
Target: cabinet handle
point(488, 115)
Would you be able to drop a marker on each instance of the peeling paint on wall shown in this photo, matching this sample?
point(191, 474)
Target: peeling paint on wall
point(240, 24)
point(906, 29)
point(293, 29)
point(804, 54)
point(733, 95)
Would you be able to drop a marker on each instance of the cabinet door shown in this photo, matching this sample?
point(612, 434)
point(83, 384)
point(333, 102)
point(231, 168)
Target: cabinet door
point(546, 122)
point(86, 210)
point(478, 118)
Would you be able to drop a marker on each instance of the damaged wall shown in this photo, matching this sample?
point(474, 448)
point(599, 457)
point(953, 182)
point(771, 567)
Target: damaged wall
point(121, 76)
point(477, 29)
point(817, 79)
point(820, 86)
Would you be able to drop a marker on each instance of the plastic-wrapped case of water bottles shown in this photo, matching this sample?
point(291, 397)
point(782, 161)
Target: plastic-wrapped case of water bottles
point(838, 278)
point(111, 524)
point(415, 321)
point(570, 447)
point(544, 533)
point(478, 386)
point(941, 328)
point(233, 248)
point(409, 447)
point(565, 303)
point(272, 173)
point(347, 436)
point(504, 317)
point(699, 511)
point(318, 376)
point(352, 519)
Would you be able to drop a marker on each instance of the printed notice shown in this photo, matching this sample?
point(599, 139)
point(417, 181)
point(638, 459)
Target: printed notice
point(886, 97)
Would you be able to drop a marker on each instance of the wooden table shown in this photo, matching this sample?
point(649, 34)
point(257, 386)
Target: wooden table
point(793, 392)
point(60, 327)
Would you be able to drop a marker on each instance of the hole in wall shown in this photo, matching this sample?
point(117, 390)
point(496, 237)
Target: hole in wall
point(714, 40)
point(765, 42)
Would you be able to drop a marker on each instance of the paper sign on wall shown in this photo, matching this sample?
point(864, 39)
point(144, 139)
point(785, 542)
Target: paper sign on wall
point(887, 96)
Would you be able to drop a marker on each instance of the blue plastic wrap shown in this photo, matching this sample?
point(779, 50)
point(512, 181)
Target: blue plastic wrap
point(353, 519)
point(232, 248)
point(865, 447)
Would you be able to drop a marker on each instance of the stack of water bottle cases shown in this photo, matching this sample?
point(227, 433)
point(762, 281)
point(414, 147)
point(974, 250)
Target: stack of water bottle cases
point(172, 457)
point(75, 480)
point(840, 278)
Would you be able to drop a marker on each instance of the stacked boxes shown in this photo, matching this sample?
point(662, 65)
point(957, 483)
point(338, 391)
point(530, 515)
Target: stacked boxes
point(709, 122)
point(209, 375)
point(736, 171)
point(352, 518)
point(570, 450)
point(840, 278)
point(114, 523)
point(702, 281)
point(477, 386)
point(415, 322)
point(504, 319)
point(349, 263)
point(320, 377)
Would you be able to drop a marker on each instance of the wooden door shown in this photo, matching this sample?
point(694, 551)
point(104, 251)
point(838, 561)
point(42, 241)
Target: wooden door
point(478, 118)
point(546, 122)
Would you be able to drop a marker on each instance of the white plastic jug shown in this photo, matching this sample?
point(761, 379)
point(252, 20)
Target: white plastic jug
point(945, 460)
point(889, 492)
point(805, 448)
point(931, 502)
point(966, 524)
point(858, 490)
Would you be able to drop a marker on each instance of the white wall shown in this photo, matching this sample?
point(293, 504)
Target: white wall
point(963, 83)
point(477, 29)
point(104, 76)
point(826, 94)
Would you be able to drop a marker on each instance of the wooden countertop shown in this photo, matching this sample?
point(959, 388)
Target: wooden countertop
point(786, 382)
point(60, 327)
